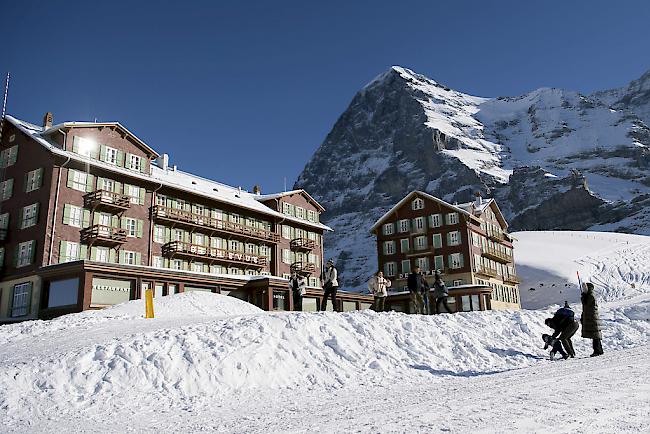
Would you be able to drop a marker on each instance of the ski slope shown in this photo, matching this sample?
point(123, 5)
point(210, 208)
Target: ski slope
point(213, 362)
point(617, 264)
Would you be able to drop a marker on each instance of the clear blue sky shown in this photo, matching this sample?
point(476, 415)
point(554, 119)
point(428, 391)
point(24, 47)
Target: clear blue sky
point(244, 92)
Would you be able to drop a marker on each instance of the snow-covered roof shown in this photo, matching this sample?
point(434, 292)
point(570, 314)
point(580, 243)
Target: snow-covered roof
point(422, 194)
point(172, 178)
point(289, 193)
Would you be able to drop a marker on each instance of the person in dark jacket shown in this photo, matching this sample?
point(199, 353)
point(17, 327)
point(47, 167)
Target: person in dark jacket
point(565, 326)
point(440, 294)
point(298, 287)
point(330, 285)
point(590, 319)
point(418, 287)
point(556, 346)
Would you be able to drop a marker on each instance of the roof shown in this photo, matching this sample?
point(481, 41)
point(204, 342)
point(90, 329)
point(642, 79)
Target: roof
point(425, 195)
point(289, 193)
point(172, 178)
point(478, 210)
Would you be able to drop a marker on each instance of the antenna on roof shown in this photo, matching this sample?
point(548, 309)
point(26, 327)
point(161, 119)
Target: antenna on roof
point(4, 104)
point(285, 184)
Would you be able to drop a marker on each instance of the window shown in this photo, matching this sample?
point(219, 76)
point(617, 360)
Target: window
point(286, 208)
point(457, 282)
point(33, 180)
point(456, 260)
point(197, 267)
point(300, 212)
point(110, 155)
point(22, 299)
point(452, 218)
point(435, 220)
point(29, 216)
point(286, 232)
point(177, 264)
point(131, 226)
point(265, 251)
point(404, 225)
point(72, 215)
point(130, 258)
point(418, 222)
point(8, 157)
point(404, 245)
point(4, 222)
point(423, 263)
point(417, 204)
point(135, 193)
point(286, 256)
point(6, 189)
point(102, 254)
point(437, 241)
point(251, 249)
point(158, 262)
point(104, 219)
point(134, 162)
point(234, 245)
point(453, 238)
point(420, 243)
point(84, 146)
point(69, 251)
point(406, 266)
point(159, 234)
point(311, 215)
point(108, 185)
point(389, 247)
point(79, 180)
point(389, 229)
point(439, 263)
point(389, 268)
point(25, 254)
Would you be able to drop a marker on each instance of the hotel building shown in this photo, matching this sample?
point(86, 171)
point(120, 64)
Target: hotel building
point(91, 216)
point(468, 243)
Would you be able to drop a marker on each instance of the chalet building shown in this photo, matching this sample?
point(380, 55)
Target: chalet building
point(91, 216)
point(468, 243)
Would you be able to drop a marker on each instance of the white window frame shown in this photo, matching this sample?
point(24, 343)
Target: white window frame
point(421, 243)
point(390, 269)
point(455, 261)
point(436, 220)
point(420, 224)
point(389, 247)
point(159, 234)
point(131, 226)
point(417, 204)
point(34, 180)
point(135, 162)
point(454, 238)
point(29, 216)
point(130, 257)
point(25, 252)
point(389, 229)
point(110, 155)
point(404, 225)
point(72, 251)
point(102, 254)
point(21, 299)
point(6, 189)
point(158, 262)
point(79, 180)
point(452, 218)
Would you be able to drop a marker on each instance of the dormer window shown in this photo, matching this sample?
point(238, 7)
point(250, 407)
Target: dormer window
point(418, 204)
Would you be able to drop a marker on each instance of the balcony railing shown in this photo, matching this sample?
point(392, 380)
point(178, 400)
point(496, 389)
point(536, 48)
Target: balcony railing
point(176, 248)
point(3, 234)
point(496, 236)
point(496, 255)
point(213, 224)
point(487, 272)
point(512, 279)
point(107, 199)
point(303, 267)
point(302, 244)
point(106, 235)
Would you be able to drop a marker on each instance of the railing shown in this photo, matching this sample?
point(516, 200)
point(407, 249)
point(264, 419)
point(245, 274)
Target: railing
point(302, 244)
point(496, 236)
point(513, 279)
point(3, 234)
point(497, 255)
point(488, 272)
point(212, 253)
point(108, 199)
point(179, 215)
point(302, 267)
point(103, 234)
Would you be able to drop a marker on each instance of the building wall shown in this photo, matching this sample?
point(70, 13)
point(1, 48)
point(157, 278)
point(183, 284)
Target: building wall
point(6, 298)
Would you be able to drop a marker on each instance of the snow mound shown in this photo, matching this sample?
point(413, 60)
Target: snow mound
point(617, 264)
point(283, 351)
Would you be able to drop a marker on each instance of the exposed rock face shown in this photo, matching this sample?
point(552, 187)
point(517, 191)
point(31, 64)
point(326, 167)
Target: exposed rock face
point(554, 159)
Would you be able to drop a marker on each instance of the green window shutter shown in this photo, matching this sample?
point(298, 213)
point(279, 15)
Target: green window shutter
point(63, 245)
point(89, 182)
point(33, 252)
point(100, 183)
point(115, 221)
point(16, 256)
point(70, 177)
point(123, 222)
point(449, 238)
point(93, 254)
point(36, 212)
point(95, 219)
point(186, 265)
point(138, 258)
point(102, 152)
point(83, 251)
point(121, 257)
point(66, 214)
point(75, 144)
point(39, 178)
point(142, 193)
point(168, 235)
point(127, 162)
point(111, 255)
point(120, 158)
point(25, 182)
point(461, 260)
point(86, 218)
point(117, 187)
point(139, 228)
point(143, 165)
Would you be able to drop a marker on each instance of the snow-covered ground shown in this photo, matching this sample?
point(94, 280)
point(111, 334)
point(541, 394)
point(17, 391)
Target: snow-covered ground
point(210, 362)
point(617, 264)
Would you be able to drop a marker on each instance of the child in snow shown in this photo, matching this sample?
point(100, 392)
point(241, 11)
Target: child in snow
point(556, 346)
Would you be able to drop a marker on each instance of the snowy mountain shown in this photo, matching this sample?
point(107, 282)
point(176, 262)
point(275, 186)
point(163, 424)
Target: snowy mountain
point(554, 159)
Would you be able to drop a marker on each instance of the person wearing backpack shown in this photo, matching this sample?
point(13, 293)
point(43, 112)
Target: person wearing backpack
point(298, 286)
point(565, 326)
point(330, 285)
point(440, 293)
point(378, 286)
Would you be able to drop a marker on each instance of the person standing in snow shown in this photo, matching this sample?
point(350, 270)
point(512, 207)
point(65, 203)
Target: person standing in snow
point(565, 326)
point(590, 319)
point(378, 286)
point(417, 286)
point(330, 285)
point(440, 293)
point(298, 286)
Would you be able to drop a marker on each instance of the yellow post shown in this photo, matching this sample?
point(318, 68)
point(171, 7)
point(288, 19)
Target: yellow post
point(148, 299)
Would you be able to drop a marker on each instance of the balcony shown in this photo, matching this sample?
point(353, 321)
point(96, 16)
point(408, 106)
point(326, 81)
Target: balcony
point(512, 279)
point(187, 218)
point(302, 268)
point(3, 234)
point(103, 235)
point(107, 200)
point(496, 236)
point(212, 254)
point(302, 244)
point(496, 255)
point(486, 272)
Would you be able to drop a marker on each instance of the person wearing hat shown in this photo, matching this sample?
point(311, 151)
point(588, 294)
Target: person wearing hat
point(590, 320)
point(440, 293)
point(330, 285)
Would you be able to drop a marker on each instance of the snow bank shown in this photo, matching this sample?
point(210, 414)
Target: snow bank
point(547, 261)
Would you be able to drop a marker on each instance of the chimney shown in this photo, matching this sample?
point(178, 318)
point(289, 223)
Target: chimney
point(47, 120)
point(257, 190)
point(479, 199)
point(163, 161)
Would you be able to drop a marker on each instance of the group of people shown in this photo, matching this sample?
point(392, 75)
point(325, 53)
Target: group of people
point(418, 288)
point(298, 286)
point(564, 326)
